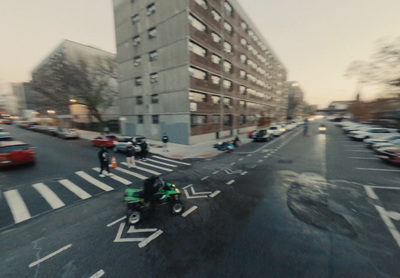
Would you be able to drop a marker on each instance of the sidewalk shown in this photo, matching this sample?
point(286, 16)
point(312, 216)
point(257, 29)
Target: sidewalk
point(200, 150)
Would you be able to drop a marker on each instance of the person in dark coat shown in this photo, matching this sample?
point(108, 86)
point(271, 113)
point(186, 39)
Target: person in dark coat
point(104, 160)
point(143, 150)
point(150, 187)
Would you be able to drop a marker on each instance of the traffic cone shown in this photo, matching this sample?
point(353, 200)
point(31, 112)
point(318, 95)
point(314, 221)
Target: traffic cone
point(113, 162)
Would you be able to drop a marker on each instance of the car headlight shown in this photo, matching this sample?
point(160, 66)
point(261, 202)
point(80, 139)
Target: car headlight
point(322, 128)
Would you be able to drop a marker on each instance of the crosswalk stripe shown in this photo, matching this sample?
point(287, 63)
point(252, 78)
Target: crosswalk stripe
point(162, 163)
point(171, 160)
point(75, 189)
point(131, 173)
point(49, 195)
point(93, 181)
point(115, 177)
point(154, 166)
point(144, 169)
point(17, 206)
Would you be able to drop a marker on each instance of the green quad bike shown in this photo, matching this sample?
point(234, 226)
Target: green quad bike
point(137, 207)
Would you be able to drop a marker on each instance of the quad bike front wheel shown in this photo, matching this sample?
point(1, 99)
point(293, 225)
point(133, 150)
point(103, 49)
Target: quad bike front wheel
point(177, 207)
point(133, 216)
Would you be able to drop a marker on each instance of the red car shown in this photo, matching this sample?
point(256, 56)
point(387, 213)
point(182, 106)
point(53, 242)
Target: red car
point(250, 133)
point(390, 154)
point(15, 152)
point(104, 139)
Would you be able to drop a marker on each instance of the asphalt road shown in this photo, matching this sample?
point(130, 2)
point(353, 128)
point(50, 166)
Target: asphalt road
point(300, 206)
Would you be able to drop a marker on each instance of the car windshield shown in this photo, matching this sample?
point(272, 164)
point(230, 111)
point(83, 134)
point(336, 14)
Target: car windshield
point(9, 149)
point(111, 137)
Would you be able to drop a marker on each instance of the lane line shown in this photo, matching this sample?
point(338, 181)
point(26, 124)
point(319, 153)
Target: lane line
point(215, 172)
point(376, 169)
point(240, 159)
point(162, 163)
point(215, 194)
point(233, 163)
point(17, 206)
point(230, 182)
point(371, 193)
point(93, 181)
point(260, 160)
point(50, 255)
point(243, 173)
point(139, 176)
point(49, 195)
point(150, 238)
point(389, 224)
point(98, 274)
point(75, 189)
point(206, 177)
point(187, 186)
point(115, 177)
point(116, 221)
point(189, 211)
point(171, 160)
point(154, 166)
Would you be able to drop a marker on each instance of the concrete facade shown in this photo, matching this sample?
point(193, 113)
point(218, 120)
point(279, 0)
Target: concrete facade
point(295, 100)
point(197, 70)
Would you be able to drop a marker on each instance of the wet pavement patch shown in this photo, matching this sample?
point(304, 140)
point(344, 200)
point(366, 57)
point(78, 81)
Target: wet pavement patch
point(285, 161)
point(308, 200)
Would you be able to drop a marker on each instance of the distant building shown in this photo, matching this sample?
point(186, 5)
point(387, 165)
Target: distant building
point(196, 69)
point(67, 109)
point(295, 100)
point(339, 106)
point(23, 97)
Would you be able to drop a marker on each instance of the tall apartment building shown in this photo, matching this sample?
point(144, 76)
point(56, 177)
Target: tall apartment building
point(295, 100)
point(195, 69)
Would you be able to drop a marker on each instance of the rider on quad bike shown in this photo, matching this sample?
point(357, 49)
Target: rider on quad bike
point(150, 187)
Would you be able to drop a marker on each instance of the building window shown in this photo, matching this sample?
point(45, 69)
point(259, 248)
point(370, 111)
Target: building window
point(216, 59)
point(202, 3)
point(228, 28)
point(228, 9)
point(135, 19)
point(156, 119)
point(198, 119)
point(243, 42)
point(227, 84)
point(227, 47)
point(227, 120)
point(197, 73)
point(227, 103)
point(243, 74)
point(216, 99)
point(140, 119)
point(216, 15)
point(154, 77)
point(216, 119)
point(216, 38)
point(138, 81)
point(242, 119)
point(197, 49)
point(154, 99)
point(244, 26)
point(227, 66)
point(197, 97)
point(137, 61)
point(151, 9)
point(153, 56)
point(152, 33)
point(242, 90)
point(242, 104)
point(136, 40)
point(215, 80)
point(196, 23)
point(139, 100)
point(243, 58)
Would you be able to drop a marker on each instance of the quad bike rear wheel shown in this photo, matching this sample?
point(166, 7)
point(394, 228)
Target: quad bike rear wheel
point(177, 207)
point(133, 216)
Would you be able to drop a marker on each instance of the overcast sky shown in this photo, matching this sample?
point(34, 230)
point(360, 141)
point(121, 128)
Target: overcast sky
point(315, 39)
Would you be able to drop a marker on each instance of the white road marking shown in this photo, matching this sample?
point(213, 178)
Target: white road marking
point(198, 193)
point(249, 154)
point(49, 195)
point(150, 238)
point(206, 177)
point(93, 181)
point(377, 169)
point(233, 163)
point(366, 158)
point(389, 224)
point(215, 194)
point(154, 166)
point(50, 255)
point(215, 172)
point(115, 177)
point(230, 182)
point(162, 163)
point(116, 221)
point(133, 230)
point(143, 169)
point(98, 274)
point(193, 197)
point(260, 160)
point(187, 186)
point(266, 156)
point(371, 193)
point(240, 159)
point(131, 173)
point(243, 173)
point(75, 189)
point(171, 160)
point(119, 234)
point(189, 211)
point(17, 206)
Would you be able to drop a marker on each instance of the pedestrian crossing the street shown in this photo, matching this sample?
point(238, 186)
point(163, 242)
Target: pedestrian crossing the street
point(19, 205)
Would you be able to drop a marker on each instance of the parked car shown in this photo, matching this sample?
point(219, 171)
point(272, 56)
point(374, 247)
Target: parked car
point(250, 133)
point(369, 142)
point(276, 130)
point(68, 133)
point(262, 135)
point(376, 132)
point(15, 152)
point(122, 144)
point(391, 155)
point(394, 143)
point(6, 121)
point(104, 139)
point(6, 136)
